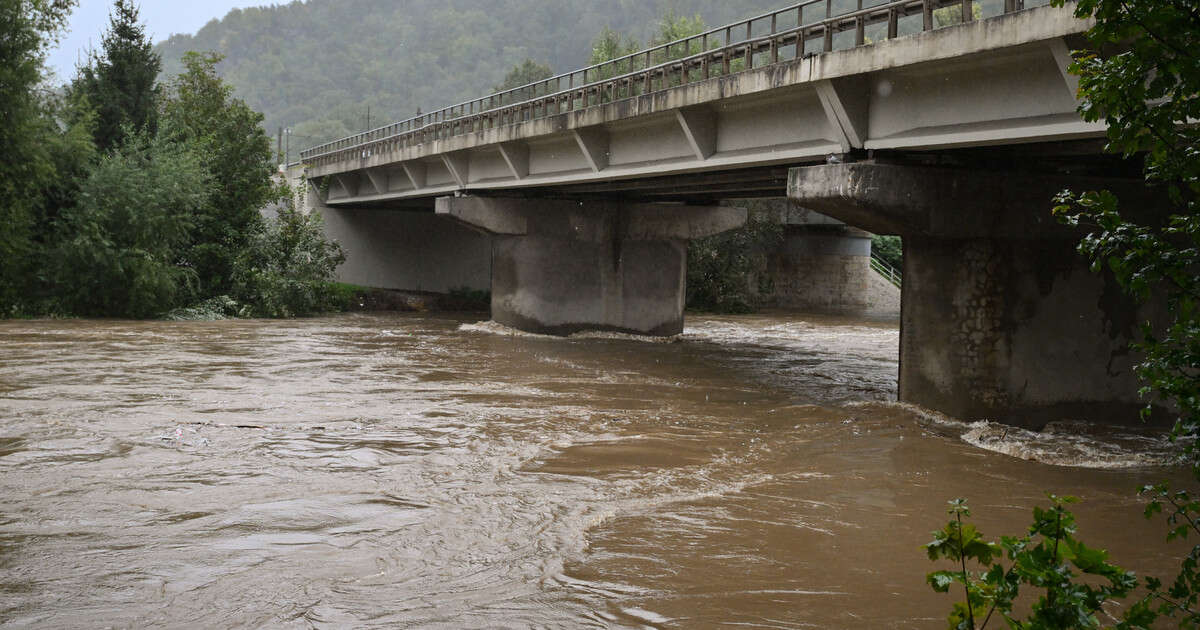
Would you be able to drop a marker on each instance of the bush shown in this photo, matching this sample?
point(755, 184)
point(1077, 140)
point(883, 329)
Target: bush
point(890, 249)
point(117, 250)
point(1045, 558)
point(721, 268)
point(287, 269)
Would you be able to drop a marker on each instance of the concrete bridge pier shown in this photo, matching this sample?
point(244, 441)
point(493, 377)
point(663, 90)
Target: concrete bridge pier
point(1001, 318)
point(561, 266)
point(824, 265)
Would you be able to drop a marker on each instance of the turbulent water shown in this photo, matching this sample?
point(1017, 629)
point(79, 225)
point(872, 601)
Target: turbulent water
point(433, 472)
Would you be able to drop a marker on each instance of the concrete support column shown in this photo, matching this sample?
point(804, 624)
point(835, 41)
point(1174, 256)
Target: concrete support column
point(1018, 331)
point(824, 268)
point(560, 267)
point(1001, 318)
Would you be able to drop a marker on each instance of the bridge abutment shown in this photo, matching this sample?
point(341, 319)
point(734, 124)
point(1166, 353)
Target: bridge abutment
point(560, 267)
point(1001, 318)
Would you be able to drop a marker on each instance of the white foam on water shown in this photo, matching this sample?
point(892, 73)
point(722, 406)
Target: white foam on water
point(494, 328)
point(1076, 444)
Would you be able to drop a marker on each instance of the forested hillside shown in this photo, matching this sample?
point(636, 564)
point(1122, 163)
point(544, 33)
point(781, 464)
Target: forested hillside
point(317, 66)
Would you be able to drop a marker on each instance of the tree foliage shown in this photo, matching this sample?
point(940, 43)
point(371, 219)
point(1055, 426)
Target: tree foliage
point(889, 248)
point(228, 134)
point(1048, 557)
point(118, 249)
point(27, 29)
point(120, 82)
point(1143, 80)
point(721, 268)
point(524, 73)
point(288, 268)
point(123, 199)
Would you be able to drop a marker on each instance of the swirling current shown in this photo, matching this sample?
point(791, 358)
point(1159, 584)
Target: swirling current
point(432, 471)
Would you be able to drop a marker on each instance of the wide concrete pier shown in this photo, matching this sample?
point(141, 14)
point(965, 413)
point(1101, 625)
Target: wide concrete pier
point(1001, 318)
point(559, 266)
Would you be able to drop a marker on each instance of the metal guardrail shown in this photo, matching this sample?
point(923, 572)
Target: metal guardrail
point(885, 269)
point(800, 30)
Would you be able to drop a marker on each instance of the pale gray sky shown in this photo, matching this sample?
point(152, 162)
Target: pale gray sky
point(161, 17)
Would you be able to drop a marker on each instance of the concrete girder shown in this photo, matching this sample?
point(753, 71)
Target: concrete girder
point(416, 172)
point(1062, 57)
point(348, 183)
point(846, 102)
point(641, 221)
point(516, 156)
point(593, 142)
point(699, 126)
point(945, 202)
point(378, 178)
point(983, 82)
point(492, 216)
point(459, 165)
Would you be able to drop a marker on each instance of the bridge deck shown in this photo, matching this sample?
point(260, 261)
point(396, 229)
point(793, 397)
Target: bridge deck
point(789, 87)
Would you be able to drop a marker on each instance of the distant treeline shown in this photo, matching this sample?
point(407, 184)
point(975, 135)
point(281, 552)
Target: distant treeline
point(317, 67)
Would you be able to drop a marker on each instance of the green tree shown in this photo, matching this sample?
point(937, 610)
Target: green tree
point(1145, 86)
point(120, 82)
point(228, 134)
point(524, 73)
point(720, 268)
point(27, 29)
point(288, 269)
point(673, 28)
point(610, 45)
point(889, 248)
point(118, 249)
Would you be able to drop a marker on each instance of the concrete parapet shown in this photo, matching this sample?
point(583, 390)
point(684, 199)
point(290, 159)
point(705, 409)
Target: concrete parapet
point(560, 267)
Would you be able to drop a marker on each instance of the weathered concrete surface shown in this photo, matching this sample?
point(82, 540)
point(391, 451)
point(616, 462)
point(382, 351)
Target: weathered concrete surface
point(821, 268)
point(1001, 318)
point(897, 199)
point(589, 266)
point(1017, 331)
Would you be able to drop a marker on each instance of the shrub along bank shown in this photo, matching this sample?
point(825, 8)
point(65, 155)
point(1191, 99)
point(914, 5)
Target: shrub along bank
point(125, 197)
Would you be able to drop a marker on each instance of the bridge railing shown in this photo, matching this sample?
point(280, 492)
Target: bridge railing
point(885, 269)
point(803, 29)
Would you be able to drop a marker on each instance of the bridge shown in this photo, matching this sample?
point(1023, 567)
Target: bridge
point(949, 122)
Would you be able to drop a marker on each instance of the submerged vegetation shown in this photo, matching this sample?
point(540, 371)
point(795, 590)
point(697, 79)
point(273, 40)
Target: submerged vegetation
point(130, 198)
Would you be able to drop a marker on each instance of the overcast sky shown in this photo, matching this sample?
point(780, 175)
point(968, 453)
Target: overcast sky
point(162, 18)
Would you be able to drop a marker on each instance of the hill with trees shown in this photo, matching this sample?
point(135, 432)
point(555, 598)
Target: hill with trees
point(322, 67)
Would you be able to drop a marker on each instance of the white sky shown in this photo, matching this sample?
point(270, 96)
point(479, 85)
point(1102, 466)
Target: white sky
point(162, 18)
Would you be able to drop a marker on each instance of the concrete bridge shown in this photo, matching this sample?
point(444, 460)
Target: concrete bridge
point(951, 123)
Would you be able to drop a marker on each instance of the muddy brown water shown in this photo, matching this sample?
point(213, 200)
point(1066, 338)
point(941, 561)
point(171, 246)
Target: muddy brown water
point(416, 471)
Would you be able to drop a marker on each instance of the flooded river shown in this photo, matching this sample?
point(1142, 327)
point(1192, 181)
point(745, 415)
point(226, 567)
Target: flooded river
point(405, 471)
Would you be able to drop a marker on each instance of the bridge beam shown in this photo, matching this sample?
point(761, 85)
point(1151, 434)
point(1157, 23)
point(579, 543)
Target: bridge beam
point(1001, 319)
point(559, 267)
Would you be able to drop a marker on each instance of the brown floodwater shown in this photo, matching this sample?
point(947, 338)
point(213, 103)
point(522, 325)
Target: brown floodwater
point(421, 471)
